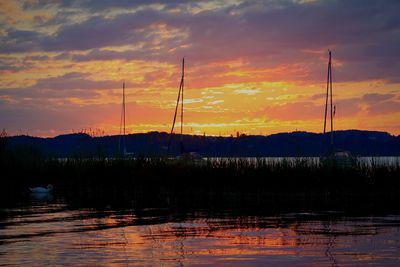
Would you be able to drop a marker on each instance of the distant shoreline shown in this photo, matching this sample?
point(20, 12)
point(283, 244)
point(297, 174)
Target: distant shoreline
point(295, 144)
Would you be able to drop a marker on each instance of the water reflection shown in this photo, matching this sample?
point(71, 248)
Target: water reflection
point(41, 197)
point(42, 233)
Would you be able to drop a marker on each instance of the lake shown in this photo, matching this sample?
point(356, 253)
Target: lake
point(52, 231)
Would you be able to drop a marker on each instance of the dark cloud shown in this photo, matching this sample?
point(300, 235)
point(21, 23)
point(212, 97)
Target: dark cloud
point(384, 107)
point(380, 104)
point(11, 65)
point(63, 56)
point(347, 107)
point(41, 4)
point(19, 41)
point(365, 35)
point(375, 98)
point(98, 32)
point(73, 80)
point(93, 33)
point(96, 54)
point(101, 5)
point(37, 58)
point(46, 96)
point(72, 84)
point(104, 5)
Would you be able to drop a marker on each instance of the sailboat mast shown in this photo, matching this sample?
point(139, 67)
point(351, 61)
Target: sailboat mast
point(123, 121)
point(180, 98)
point(123, 104)
point(330, 83)
point(327, 91)
point(182, 86)
point(122, 131)
point(329, 94)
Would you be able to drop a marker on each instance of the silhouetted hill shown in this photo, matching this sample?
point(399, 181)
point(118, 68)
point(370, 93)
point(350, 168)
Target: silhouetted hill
point(362, 143)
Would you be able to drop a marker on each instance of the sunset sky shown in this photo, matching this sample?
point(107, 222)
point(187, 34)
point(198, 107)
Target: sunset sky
point(257, 67)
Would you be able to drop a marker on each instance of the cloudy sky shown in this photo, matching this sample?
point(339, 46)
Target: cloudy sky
point(257, 67)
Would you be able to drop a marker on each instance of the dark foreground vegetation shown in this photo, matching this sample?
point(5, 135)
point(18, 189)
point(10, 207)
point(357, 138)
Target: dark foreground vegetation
point(158, 177)
point(167, 181)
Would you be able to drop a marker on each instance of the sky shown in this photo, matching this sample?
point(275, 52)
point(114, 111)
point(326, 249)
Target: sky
point(254, 67)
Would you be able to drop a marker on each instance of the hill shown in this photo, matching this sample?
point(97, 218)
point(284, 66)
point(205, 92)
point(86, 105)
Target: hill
point(360, 143)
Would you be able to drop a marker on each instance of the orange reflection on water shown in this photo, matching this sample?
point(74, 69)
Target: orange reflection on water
point(58, 236)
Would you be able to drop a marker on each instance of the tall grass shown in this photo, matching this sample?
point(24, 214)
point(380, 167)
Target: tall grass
point(239, 181)
point(228, 175)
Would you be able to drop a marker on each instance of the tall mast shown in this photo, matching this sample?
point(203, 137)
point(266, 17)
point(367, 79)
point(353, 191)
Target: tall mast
point(182, 86)
point(123, 107)
point(330, 81)
point(329, 94)
point(123, 104)
point(327, 91)
point(180, 98)
point(122, 125)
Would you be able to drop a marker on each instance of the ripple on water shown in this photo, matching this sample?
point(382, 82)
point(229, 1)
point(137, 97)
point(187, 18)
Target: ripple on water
point(52, 234)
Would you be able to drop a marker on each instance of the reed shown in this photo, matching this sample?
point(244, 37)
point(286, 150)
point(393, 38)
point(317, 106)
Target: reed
point(101, 175)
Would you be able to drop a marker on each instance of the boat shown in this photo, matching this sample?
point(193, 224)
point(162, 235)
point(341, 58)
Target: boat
point(334, 157)
point(184, 155)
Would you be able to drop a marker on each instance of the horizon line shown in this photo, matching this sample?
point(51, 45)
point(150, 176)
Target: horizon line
point(211, 135)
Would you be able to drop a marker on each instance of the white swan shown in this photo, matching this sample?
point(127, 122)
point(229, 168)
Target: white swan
point(42, 190)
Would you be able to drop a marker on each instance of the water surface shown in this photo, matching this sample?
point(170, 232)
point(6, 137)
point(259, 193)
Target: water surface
point(51, 232)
